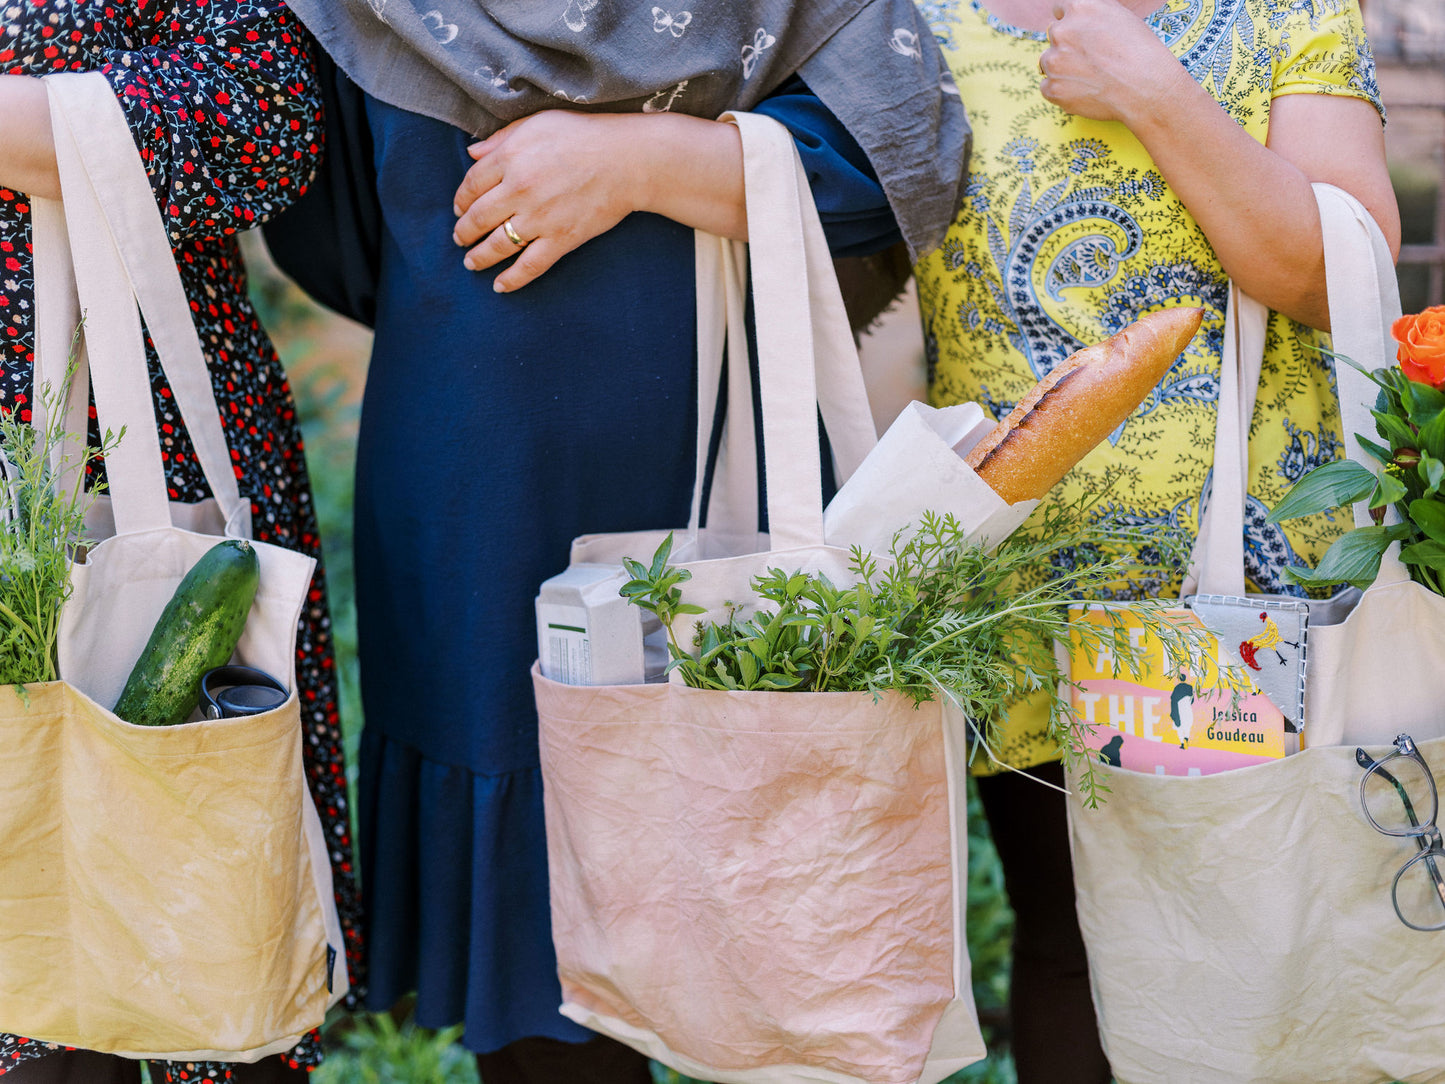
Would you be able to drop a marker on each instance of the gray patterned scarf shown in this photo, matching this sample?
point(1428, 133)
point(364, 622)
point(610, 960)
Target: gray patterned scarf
point(480, 64)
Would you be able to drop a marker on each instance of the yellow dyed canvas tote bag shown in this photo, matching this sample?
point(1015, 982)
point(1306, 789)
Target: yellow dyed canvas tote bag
point(102, 820)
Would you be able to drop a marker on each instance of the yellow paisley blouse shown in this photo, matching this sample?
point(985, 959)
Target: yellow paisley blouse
point(1069, 233)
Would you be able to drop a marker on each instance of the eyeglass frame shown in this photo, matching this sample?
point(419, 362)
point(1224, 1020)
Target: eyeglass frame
point(1427, 837)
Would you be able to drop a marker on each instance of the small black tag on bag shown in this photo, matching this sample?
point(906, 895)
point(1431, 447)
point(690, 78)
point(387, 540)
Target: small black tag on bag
point(330, 967)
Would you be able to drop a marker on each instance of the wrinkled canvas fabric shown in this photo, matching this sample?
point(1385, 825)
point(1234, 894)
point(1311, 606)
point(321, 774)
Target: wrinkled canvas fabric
point(102, 819)
point(787, 856)
point(482, 64)
point(762, 888)
point(1240, 929)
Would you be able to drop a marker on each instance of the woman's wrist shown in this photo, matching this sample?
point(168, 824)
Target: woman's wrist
point(691, 170)
point(27, 148)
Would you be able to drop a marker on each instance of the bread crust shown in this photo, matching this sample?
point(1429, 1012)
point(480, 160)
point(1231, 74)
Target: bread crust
point(1084, 399)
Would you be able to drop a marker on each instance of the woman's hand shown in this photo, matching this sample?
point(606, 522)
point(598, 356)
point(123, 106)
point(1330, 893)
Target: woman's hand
point(27, 149)
point(1103, 62)
point(558, 179)
point(1253, 201)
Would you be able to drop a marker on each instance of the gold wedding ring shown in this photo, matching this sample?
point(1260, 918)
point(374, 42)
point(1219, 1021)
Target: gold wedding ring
point(512, 234)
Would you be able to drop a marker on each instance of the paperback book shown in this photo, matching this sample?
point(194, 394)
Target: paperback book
point(1170, 720)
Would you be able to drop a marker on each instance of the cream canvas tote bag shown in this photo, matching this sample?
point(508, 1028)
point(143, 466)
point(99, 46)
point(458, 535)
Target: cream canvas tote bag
point(164, 892)
point(762, 887)
point(1239, 926)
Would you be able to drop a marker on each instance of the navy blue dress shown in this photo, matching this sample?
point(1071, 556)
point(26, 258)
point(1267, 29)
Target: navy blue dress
point(495, 429)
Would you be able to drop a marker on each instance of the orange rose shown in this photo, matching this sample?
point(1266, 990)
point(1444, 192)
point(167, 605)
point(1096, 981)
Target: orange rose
point(1422, 345)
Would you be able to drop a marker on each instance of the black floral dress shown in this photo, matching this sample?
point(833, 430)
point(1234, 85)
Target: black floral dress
point(226, 118)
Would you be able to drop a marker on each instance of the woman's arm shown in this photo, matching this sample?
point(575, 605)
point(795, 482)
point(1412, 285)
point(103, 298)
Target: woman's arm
point(562, 178)
point(1252, 200)
point(27, 149)
point(575, 175)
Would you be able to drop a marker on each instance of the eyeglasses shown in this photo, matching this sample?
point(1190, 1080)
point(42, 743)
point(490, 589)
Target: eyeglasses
point(1393, 793)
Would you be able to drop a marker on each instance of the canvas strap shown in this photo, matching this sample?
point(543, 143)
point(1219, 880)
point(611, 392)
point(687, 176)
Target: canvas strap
point(103, 251)
point(1364, 299)
point(807, 360)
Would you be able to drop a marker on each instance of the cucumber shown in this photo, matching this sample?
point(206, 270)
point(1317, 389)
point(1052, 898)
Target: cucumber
point(197, 631)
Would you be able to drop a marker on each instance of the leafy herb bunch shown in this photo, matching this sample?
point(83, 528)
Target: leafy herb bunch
point(43, 502)
point(1409, 474)
point(940, 616)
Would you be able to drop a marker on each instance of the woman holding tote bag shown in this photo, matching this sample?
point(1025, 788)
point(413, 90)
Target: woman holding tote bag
point(544, 388)
point(224, 113)
point(1139, 156)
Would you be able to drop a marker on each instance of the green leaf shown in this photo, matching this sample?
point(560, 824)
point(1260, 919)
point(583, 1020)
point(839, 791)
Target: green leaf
point(1429, 516)
point(710, 639)
point(748, 668)
point(1432, 433)
point(1425, 402)
point(1327, 487)
point(777, 682)
point(725, 679)
point(1390, 490)
point(1354, 558)
point(1378, 452)
point(1429, 553)
point(1396, 430)
point(659, 559)
point(1433, 471)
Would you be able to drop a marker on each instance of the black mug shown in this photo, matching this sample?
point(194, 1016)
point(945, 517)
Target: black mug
point(231, 692)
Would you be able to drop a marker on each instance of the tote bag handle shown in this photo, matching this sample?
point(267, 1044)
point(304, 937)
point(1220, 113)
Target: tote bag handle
point(807, 361)
point(103, 251)
point(1364, 299)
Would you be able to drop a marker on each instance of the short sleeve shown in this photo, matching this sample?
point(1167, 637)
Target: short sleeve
point(222, 103)
point(1323, 49)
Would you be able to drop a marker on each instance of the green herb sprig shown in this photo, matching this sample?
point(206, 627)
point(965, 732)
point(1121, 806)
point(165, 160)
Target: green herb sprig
point(42, 525)
point(940, 616)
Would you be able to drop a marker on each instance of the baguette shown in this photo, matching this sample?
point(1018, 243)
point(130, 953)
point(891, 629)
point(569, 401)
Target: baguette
point(1084, 399)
